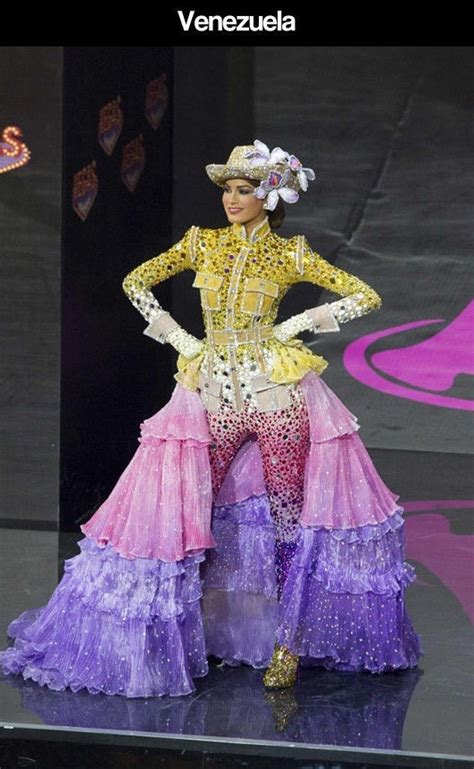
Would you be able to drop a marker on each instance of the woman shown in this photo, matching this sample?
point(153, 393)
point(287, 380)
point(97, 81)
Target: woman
point(251, 523)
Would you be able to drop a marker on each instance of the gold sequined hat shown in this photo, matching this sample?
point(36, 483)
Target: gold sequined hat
point(280, 173)
point(239, 166)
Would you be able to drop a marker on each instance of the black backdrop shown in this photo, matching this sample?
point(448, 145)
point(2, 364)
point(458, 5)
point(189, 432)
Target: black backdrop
point(105, 362)
point(112, 376)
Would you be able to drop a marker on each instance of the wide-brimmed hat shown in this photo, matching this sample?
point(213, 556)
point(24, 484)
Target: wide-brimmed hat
point(280, 173)
point(239, 166)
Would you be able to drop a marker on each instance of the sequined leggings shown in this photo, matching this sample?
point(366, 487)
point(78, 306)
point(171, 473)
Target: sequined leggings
point(283, 438)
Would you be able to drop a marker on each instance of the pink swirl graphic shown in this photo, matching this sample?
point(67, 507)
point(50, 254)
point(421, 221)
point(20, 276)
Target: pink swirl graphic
point(431, 365)
point(449, 556)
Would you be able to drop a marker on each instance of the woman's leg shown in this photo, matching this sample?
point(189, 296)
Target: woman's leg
point(228, 429)
point(283, 437)
point(239, 604)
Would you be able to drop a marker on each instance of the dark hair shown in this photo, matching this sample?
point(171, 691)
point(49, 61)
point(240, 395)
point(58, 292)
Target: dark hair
point(275, 217)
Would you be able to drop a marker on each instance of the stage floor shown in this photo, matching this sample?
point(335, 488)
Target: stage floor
point(425, 713)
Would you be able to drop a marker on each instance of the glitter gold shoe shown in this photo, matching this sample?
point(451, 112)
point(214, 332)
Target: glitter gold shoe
point(283, 668)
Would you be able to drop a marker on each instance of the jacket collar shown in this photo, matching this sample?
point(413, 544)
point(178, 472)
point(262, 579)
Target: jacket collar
point(259, 231)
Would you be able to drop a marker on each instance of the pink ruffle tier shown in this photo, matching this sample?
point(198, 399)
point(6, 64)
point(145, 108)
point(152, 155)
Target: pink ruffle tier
point(161, 505)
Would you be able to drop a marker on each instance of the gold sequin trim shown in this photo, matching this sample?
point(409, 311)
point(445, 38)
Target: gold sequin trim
point(299, 254)
point(194, 234)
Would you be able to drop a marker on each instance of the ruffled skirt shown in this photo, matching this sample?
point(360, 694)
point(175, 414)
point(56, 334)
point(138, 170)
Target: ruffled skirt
point(165, 577)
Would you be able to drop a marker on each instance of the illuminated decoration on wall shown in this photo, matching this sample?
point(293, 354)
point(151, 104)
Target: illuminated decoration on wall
point(133, 162)
point(110, 125)
point(426, 370)
point(13, 152)
point(156, 100)
point(84, 190)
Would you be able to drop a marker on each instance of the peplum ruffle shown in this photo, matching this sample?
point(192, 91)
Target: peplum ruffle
point(292, 360)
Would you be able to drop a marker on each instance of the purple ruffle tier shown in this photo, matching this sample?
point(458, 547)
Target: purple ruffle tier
point(115, 625)
point(343, 605)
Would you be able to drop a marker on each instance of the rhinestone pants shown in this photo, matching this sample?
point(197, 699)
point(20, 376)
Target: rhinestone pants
point(283, 438)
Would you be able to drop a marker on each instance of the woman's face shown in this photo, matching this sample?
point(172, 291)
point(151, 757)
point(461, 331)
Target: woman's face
point(240, 203)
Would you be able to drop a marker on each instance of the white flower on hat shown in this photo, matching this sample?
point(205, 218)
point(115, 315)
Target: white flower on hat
point(274, 186)
point(303, 173)
point(261, 154)
point(276, 183)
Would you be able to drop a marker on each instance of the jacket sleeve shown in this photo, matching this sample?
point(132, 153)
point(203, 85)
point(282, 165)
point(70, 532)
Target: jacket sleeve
point(138, 282)
point(359, 298)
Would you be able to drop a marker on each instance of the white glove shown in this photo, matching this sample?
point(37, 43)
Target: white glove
point(317, 319)
point(165, 328)
point(353, 306)
point(185, 343)
point(160, 326)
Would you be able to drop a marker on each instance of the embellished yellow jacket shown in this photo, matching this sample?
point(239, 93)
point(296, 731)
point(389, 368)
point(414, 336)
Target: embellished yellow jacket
point(242, 279)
